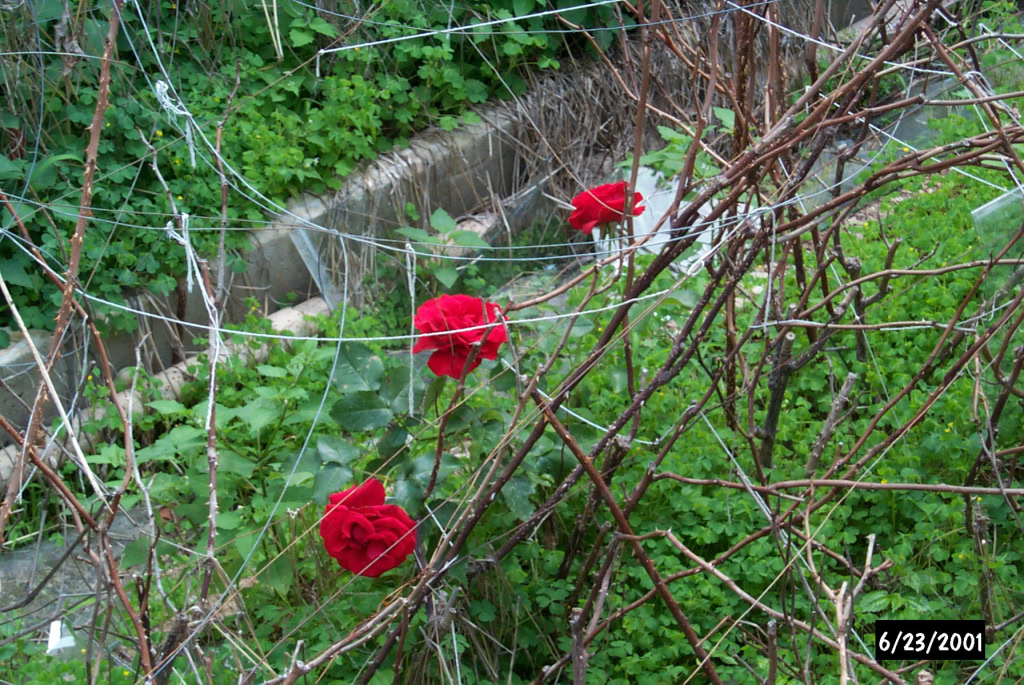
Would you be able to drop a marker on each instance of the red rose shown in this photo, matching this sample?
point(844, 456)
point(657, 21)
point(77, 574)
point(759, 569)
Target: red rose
point(451, 313)
point(366, 536)
point(602, 205)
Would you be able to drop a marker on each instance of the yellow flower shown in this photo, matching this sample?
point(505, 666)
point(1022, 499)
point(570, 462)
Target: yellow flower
point(884, 481)
point(159, 133)
point(128, 673)
point(906, 149)
point(83, 650)
point(180, 197)
point(89, 377)
point(108, 124)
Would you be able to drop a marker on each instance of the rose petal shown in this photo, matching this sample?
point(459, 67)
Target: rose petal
point(450, 362)
point(368, 494)
point(338, 526)
point(451, 325)
point(367, 539)
point(600, 205)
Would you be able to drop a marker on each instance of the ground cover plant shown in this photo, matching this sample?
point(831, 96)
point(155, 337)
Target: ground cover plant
point(276, 93)
point(720, 461)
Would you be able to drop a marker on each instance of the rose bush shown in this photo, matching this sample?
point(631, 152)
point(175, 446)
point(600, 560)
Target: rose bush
point(436, 317)
point(366, 536)
point(602, 205)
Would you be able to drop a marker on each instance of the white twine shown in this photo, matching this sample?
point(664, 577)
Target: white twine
point(410, 273)
point(192, 267)
point(191, 261)
point(162, 91)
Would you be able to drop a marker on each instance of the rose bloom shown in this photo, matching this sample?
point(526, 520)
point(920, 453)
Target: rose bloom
point(450, 313)
point(366, 536)
point(602, 205)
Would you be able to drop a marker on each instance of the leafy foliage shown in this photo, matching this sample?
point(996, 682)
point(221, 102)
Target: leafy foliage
point(288, 129)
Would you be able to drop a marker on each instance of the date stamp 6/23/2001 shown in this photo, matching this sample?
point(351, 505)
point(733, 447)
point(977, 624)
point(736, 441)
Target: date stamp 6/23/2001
point(937, 640)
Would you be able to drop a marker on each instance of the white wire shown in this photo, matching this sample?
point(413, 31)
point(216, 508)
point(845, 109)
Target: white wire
point(410, 270)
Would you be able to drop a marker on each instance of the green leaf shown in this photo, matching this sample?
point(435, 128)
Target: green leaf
point(359, 369)
point(224, 415)
point(308, 463)
point(271, 371)
point(260, 413)
point(482, 610)
point(229, 520)
point(433, 391)
point(330, 479)
point(726, 116)
point(392, 443)
point(687, 298)
point(516, 494)
point(333, 449)
point(619, 379)
point(322, 27)
point(441, 221)
point(9, 169)
point(278, 575)
point(502, 379)
point(408, 494)
point(167, 406)
point(65, 211)
point(418, 235)
point(873, 601)
point(522, 7)
point(185, 438)
point(671, 135)
point(396, 387)
point(137, 551)
point(45, 173)
point(108, 454)
point(469, 239)
point(384, 676)
point(231, 462)
point(14, 272)
point(476, 91)
point(446, 275)
point(582, 326)
point(420, 468)
point(361, 411)
point(300, 37)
